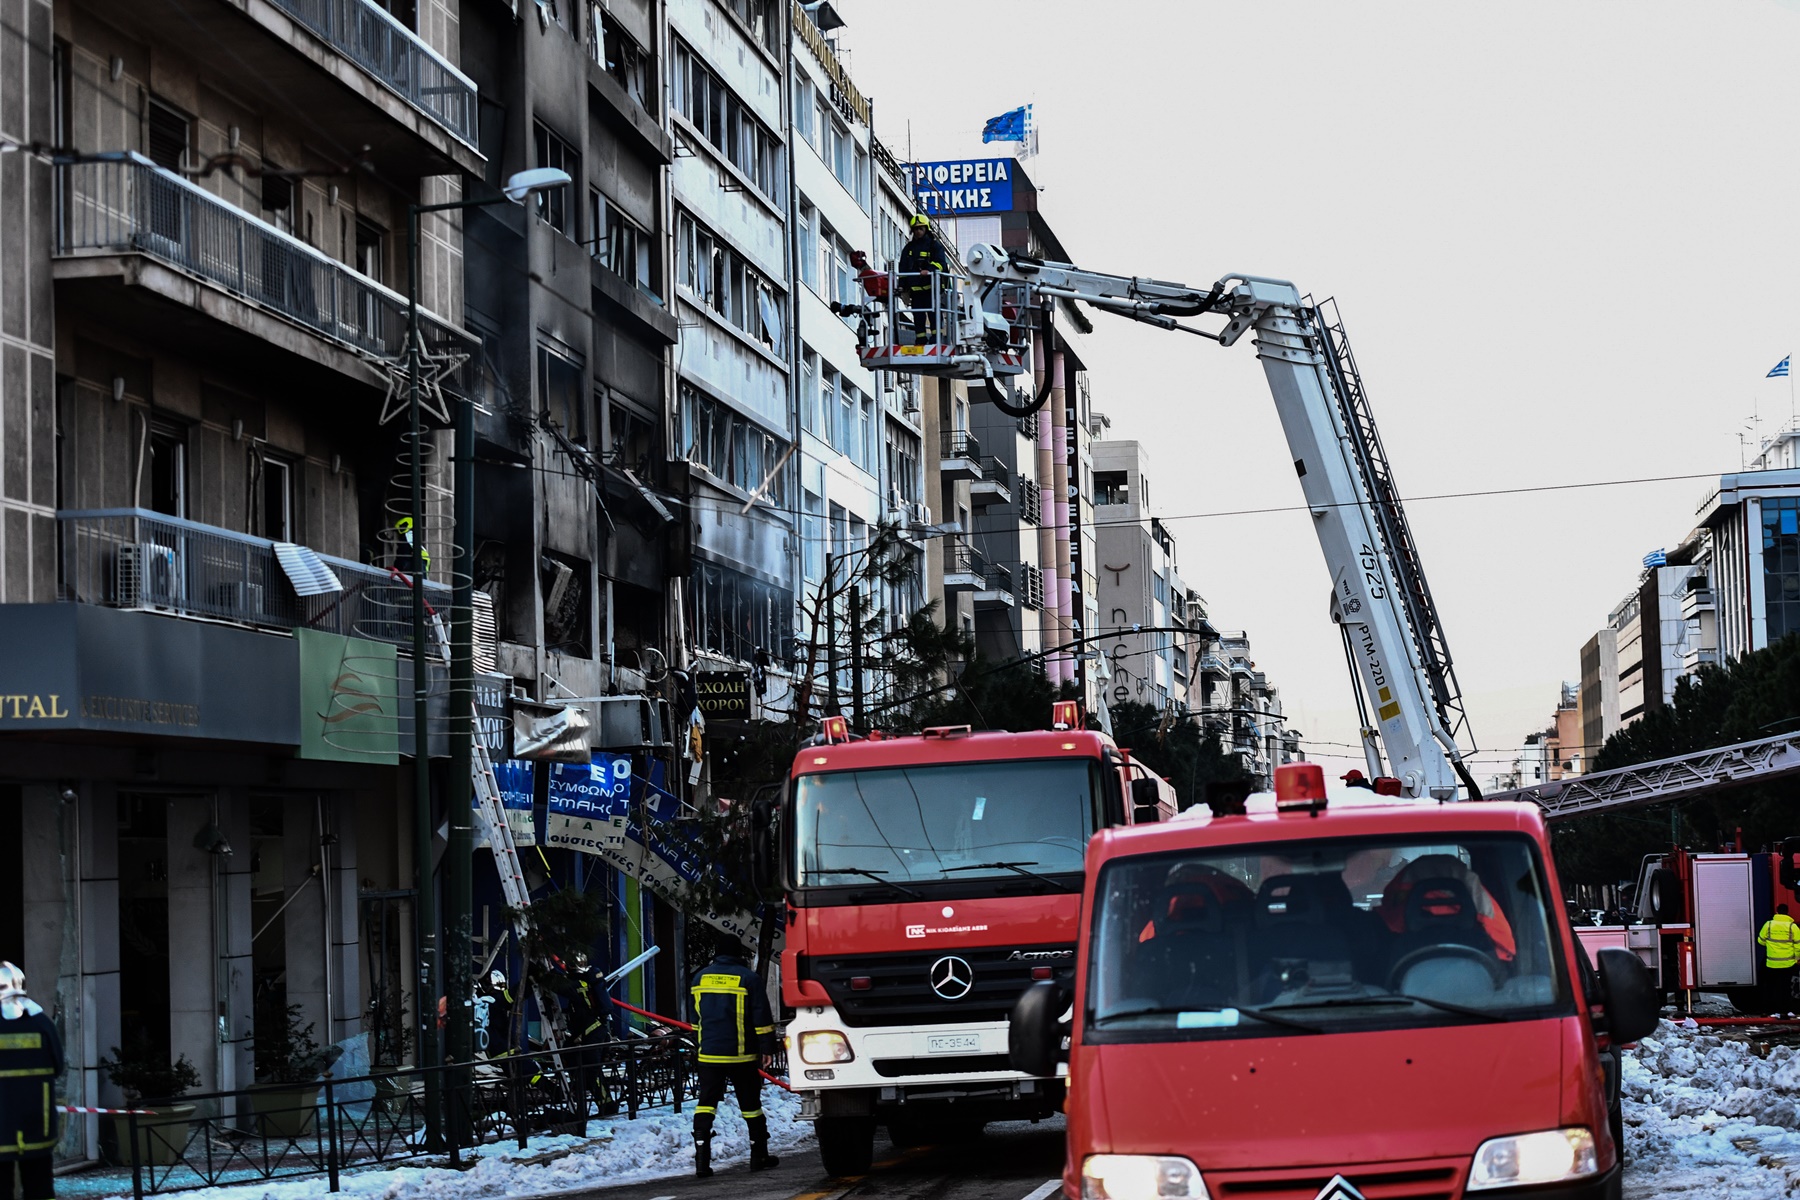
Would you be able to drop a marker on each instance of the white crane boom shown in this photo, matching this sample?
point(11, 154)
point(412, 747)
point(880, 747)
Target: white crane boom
point(1379, 596)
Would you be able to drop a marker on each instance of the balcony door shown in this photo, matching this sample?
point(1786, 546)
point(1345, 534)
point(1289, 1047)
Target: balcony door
point(165, 475)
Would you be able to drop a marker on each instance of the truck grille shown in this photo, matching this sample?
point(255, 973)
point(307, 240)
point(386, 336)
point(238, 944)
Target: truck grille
point(961, 1064)
point(1438, 1180)
point(900, 993)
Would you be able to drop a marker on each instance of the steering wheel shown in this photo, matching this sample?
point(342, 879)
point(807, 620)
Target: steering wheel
point(1446, 950)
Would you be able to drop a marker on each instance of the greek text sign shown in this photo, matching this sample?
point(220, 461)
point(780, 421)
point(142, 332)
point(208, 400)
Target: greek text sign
point(963, 186)
point(724, 695)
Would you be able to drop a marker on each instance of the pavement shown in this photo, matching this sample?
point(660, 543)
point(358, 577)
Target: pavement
point(1010, 1161)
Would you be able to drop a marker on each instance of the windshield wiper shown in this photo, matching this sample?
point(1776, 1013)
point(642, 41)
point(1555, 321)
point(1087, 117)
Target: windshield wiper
point(1147, 1007)
point(1389, 998)
point(1017, 868)
point(877, 876)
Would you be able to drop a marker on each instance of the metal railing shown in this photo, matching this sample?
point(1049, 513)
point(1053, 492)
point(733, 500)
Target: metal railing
point(959, 443)
point(1031, 584)
point(130, 205)
point(134, 558)
point(995, 472)
point(263, 1134)
point(367, 35)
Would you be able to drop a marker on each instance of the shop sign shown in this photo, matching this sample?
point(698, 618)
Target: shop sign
point(724, 695)
point(964, 186)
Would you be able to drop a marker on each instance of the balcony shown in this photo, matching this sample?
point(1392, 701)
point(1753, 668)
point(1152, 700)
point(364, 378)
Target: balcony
point(993, 486)
point(113, 215)
point(966, 569)
point(133, 558)
point(959, 456)
point(353, 68)
point(1696, 600)
point(1030, 585)
point(1031, 500)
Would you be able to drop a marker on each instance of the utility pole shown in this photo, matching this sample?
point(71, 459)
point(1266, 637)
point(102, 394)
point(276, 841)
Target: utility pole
point(831, 647)
point(458, 866)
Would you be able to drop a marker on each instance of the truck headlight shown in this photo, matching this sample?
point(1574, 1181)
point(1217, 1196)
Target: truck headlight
point(1527, 1159)
point(1141, 1177)
point(825, 1046)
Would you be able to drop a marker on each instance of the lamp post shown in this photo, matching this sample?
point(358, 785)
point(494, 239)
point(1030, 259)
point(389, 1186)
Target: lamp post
point(458, 1014)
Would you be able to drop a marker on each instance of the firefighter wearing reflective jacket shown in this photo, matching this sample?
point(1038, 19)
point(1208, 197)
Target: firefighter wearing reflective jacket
point(736, 1033)
point(1780, 939)
point(31, 1058)
point(922, 266)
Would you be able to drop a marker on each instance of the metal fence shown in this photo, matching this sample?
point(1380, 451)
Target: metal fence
point(134, 558)
point(130, 205)
point(366, 34)
point(958, 443)
point(263, 1134)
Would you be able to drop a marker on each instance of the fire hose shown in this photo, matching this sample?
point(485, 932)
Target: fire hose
point(672, 1022)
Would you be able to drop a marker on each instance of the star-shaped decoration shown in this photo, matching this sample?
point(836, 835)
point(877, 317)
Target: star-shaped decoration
point(433, 370)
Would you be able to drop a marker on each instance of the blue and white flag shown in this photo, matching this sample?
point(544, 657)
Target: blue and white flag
point(1656, 558)
point(1011, 126)
point(1778, 371)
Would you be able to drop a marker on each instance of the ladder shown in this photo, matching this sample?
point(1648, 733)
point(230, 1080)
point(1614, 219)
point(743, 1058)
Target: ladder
point(1680, 778)
point(1404, 567)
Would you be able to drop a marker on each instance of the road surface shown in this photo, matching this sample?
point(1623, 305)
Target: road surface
point(1012, 1161)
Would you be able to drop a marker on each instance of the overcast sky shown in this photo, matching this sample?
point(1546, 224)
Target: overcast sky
point(1562, 237)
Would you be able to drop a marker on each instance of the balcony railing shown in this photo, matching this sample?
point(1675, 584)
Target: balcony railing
point(367, 35)
point(130, 205)
point(958, 443)
point(134, 558)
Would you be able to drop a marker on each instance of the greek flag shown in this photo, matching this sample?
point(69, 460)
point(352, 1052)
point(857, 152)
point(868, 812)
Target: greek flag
point(1778, 371)
point(1656, 558)
point(1008, 126)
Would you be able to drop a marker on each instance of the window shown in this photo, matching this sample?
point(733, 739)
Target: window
point(759, 17)
point(723, 120)
point(619, 53)
point(717, 276)
point(1112, 487)
point(568, 612)
point(168, 470)
point(735, 449)
point(905, 454)
point(277, 495)
point(860, 168)
point(562, 392)
point(1781, 565)
point(810, 419)
point(636, 441)
point(812, 533)
point(804, 110)
point(369, 256)
point(808, 219)
point(168, 136)
point(621, 244)
point(553, 205)
point(736, 615)
point(893, 240)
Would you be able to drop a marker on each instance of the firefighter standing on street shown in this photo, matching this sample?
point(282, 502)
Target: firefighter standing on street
point(736, 1033)
point(31, 1058)
point(922, 265)
point(1780, 940)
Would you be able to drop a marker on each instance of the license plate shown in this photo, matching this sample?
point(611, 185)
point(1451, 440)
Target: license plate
point(952, 1043)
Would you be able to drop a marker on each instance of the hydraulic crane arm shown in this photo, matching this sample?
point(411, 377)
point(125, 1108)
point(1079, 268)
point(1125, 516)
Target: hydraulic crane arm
point(1379, 595)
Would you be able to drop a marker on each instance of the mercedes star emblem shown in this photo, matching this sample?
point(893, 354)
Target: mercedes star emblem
point(1339, 1189)
point(951, 977)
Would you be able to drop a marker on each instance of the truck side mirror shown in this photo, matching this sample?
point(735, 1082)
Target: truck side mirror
point(1034, 1032)
point(1146, 802)
point(1633, 1004)
point(765, 846)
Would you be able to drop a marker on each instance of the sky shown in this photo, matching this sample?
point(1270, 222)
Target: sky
point(1562, 237)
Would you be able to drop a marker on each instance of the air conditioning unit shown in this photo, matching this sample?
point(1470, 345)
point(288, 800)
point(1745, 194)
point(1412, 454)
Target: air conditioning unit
point(239, 599)
point(631, 723)
point(149, 576)
point(921, 513)
point(486, 634)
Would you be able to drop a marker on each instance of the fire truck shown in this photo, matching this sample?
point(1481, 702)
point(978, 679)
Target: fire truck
point(930, 880)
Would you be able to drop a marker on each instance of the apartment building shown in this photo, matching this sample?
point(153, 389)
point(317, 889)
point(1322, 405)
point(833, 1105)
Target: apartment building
point(200, 308)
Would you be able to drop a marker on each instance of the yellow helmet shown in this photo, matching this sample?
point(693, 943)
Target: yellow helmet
point(921, 221)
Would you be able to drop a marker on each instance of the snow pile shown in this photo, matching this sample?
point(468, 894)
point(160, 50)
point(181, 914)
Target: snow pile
point(1711, 1116)
point(658, 1144)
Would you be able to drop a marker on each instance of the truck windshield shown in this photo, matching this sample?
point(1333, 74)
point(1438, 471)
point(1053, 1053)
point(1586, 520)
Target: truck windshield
point(947, 821)
point(1250, 941)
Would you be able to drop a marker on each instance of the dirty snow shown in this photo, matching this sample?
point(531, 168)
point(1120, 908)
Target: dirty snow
point(1711, 1116)
point(660, 1143)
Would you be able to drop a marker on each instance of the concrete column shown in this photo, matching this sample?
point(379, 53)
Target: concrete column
point(99, 849)
point(347, 997)
point(237, 1064)
point(305, 916)
point(193, 963)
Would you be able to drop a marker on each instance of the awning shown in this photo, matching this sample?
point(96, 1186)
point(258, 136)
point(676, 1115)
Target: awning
point(306, 570)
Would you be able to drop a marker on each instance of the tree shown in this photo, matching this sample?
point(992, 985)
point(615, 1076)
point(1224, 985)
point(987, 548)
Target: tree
point(1176, 748)
point(1753, 697)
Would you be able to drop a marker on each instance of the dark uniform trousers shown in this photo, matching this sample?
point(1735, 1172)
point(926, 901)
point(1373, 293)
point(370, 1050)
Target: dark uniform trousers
point(30, 1060)
point(734, 1029)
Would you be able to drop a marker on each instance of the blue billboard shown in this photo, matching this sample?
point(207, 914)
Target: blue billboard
point(963, 187)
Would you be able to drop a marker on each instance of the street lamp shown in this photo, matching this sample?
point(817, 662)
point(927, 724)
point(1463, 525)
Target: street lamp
point(460, 1038)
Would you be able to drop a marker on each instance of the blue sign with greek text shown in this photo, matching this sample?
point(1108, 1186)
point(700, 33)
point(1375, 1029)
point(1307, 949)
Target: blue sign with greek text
point(963, 186)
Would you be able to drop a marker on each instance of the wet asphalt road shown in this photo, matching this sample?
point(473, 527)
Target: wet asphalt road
point(1008, 1162)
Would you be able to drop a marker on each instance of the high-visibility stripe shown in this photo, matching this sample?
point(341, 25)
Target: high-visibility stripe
point(23, 1072)
point(21, 1041)
point(727, 1058)
point(749, 1113)
point(706, 1109)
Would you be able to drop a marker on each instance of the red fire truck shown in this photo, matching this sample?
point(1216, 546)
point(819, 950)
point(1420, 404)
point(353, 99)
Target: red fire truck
point(930, 880)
